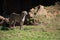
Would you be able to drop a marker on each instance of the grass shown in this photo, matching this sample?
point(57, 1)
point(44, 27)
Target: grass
point(30, 33)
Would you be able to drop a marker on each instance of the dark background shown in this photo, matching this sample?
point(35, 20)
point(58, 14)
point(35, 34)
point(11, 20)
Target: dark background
point(9, 6)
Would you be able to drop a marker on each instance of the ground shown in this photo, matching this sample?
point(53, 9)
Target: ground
point(31, 33)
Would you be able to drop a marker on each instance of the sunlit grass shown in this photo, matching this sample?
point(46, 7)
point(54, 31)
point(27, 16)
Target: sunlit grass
point(30, 33)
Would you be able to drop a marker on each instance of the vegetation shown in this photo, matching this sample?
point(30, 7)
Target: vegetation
point(31, 33)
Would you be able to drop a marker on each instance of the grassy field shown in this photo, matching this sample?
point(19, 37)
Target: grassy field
point(31, 33)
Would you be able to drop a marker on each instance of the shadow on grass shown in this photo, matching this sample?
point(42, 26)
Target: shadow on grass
point(4, 28)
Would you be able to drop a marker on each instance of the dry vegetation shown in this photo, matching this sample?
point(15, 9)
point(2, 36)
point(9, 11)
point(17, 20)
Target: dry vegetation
point(44, 15)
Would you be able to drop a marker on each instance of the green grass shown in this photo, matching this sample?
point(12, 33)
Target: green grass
point(30, 33)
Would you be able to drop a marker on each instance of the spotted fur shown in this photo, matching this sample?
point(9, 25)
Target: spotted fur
point(20, 18)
